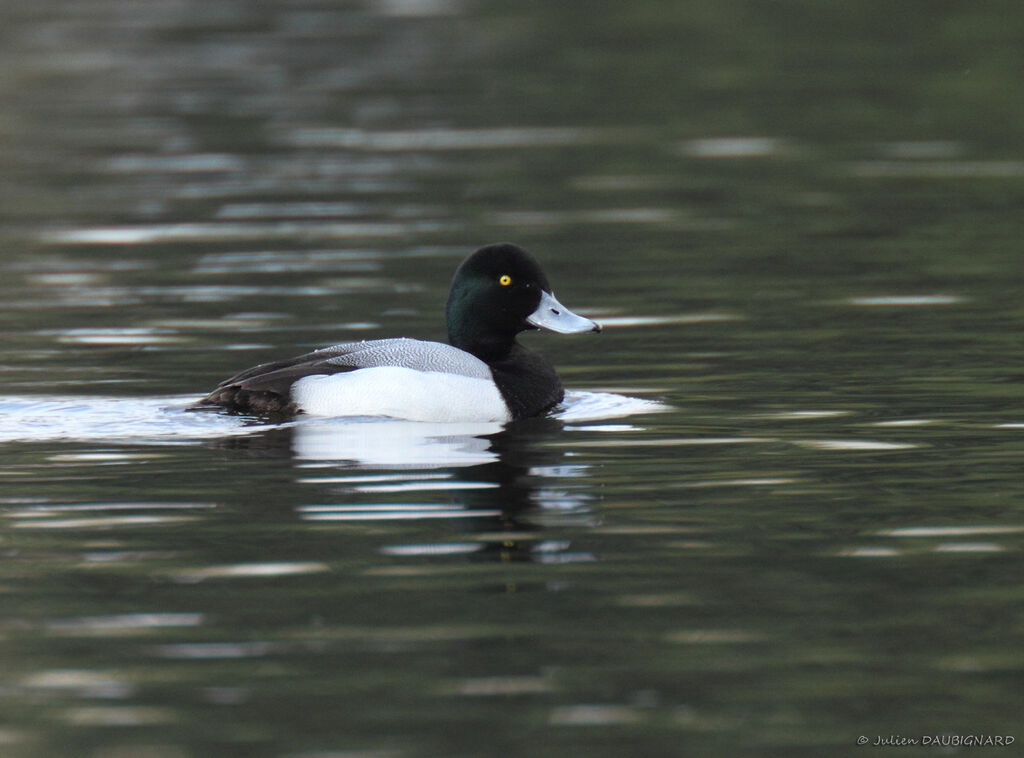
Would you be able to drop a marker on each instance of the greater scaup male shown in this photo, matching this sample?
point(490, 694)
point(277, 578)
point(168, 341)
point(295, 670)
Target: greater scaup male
point(483, 375)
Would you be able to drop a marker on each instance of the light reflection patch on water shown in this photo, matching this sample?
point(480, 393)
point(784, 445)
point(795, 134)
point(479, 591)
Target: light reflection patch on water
point(442, 139)
point(416, 9)
point(905, 300)
point(302, 209)
point(66, 279)
point(120, 624)
point(625, 182)
point(424, 487)
point(134, 716)
point(657, 600)
point(713, 637)
point(969, 547)
point(871, 551)
point(49, 509)
point(799, 415)
point(239, 232)
point(433, 550)
point(606, 428)
point(735, 147)
point(753, 482)
point(103, 522)
point(116, 336)
point(391, 512)
point(361, 479)
point(250, 571)
point(182, 163)
point(671, 442)
point(855, 445)
point(499, 686)
point(907, 422)
point(99, 558)
point(595, 715)
point(561, 471)
point(105, 457)
point(949, 531)
point(80, 682)
point(201, 651)
point(614, 322)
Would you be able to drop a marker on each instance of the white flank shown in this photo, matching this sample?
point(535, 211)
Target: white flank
point(401, 393)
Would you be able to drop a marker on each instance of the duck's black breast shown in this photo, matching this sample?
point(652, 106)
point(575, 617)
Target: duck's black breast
point(527, 381)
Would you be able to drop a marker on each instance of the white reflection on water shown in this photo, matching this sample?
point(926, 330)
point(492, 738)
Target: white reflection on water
point(218, 650)
point(906, 300)
point(390, 442)
point(969, 547)
point(735, 147)
point(119, 716)
point(103, 522)
point(116, 336)
point(234, 232)
point(80, 682)
point(491, 686)
point(125, 623)
point(594, 715)
point(177, 163)
point(963, 546)
point(443, 139)
point(250, 570)
point(682, 318)
point(799, 415)
point(391, 512)
point(949, 531)
point(907, 422)
point(855, 445)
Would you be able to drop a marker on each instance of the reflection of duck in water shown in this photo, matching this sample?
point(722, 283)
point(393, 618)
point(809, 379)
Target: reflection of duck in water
point(498, 494)
point(502, 510)
point(483, 375)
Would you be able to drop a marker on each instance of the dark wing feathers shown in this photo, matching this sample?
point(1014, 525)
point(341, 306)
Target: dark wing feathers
point(265, 389)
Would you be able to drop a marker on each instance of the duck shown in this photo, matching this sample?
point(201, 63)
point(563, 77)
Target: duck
point(483, 374)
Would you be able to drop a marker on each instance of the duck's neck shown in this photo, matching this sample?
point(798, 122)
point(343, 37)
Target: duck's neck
point(489, 350)
point(479, 339)
point(527, 381)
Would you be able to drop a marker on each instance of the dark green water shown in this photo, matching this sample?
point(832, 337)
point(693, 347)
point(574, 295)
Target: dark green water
point(801, 224)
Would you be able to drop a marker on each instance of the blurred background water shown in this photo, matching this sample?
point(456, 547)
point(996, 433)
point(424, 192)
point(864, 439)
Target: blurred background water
point(801, 225)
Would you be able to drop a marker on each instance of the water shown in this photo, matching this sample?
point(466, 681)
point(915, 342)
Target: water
point(780, 510)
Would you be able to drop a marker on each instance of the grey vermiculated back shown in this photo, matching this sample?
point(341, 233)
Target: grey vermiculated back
point(406, 353)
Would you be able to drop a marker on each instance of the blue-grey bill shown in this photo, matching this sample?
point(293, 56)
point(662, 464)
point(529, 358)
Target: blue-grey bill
point(555, 317)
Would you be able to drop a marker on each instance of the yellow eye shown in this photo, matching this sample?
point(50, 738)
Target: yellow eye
point(504, 280)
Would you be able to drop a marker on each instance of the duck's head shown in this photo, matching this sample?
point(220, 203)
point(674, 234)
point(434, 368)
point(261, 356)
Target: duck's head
point(499, 291)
